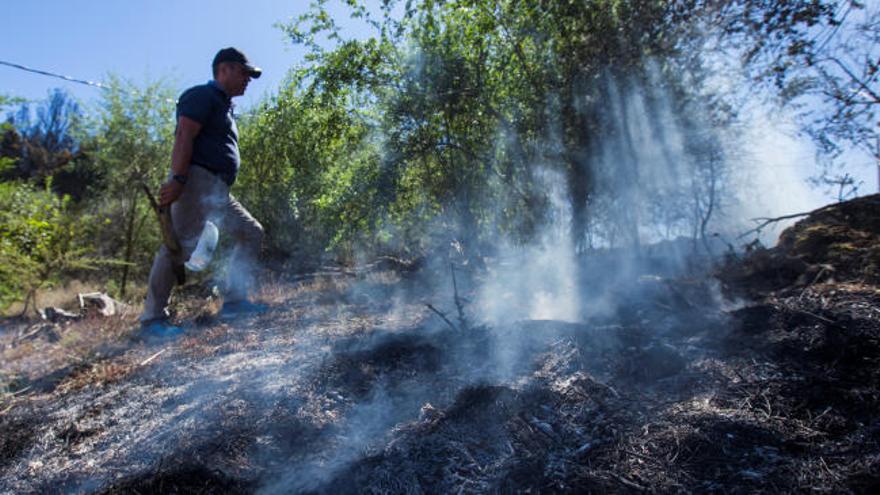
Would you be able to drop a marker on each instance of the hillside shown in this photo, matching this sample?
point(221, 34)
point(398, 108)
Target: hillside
point(351, 384)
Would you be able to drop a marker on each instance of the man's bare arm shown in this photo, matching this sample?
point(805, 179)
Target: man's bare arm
point(187, 130)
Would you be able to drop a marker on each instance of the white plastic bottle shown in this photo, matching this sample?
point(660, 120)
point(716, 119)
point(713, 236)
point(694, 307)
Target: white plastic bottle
point(201, 257)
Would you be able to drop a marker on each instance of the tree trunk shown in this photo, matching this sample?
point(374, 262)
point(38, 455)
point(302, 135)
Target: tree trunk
point(576, 141)
point(129, 246)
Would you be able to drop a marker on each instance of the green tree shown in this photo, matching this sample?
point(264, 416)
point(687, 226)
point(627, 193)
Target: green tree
point(820, 58)
point(44, 237)
point(305, 158)
point(44, 137)
point(42, 241)
point(473, 98)
point(131, 145)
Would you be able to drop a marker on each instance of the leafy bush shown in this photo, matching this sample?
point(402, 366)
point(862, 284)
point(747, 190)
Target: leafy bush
point(42, 240)
point(308, 171)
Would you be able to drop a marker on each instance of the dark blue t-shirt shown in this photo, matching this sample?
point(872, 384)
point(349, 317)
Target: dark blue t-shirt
point(216, 146)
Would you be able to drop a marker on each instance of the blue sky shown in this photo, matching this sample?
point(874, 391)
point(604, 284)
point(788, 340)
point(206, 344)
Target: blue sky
point(140, 39)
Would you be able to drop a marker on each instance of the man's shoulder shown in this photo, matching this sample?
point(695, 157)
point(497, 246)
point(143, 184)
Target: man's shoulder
point(199, 103)
point(199, 91)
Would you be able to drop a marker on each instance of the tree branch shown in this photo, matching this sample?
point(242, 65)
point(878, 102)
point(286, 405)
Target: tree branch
point(442, 316)
point(765, 221)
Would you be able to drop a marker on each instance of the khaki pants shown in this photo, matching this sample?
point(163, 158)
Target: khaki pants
point(206, 197)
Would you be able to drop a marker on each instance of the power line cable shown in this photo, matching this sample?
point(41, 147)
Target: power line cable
point(52, 74)
point(68, 78)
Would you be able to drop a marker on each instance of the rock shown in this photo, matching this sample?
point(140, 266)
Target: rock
point(100, 303)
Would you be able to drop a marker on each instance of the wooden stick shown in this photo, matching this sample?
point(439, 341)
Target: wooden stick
point(151, 358)
point(169, 238)
point(458, 304)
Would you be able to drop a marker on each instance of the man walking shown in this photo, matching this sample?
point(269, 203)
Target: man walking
point(204, 164)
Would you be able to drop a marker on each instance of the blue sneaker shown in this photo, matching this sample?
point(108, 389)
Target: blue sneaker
point(159, 329)
point(234, 309)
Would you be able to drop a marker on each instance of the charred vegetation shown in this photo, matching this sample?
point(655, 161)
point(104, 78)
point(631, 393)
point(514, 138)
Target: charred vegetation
point(775, 391)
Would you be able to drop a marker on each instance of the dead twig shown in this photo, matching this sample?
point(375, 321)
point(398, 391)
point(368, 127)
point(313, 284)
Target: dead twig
point(442, 316)
point(28, 333)
point(459, 306)
point(763, 222)
point(11, 397)
point(610, 389)
point(628, 483)
point(151, 358)
point(644, 457)
point(19, 392)
point(828, 321)
point(822, 271)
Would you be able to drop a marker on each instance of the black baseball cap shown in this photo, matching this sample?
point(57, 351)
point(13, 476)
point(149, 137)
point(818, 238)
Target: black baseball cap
point(234, 55)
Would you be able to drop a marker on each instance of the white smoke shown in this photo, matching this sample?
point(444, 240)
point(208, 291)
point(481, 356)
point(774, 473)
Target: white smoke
point(771, 178)
point(537, 281)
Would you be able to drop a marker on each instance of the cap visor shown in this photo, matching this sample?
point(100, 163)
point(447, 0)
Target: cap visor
point(255, 72)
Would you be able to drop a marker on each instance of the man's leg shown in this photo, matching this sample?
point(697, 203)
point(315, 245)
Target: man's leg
point(248, 235)
point(161, 282)
point(203, 194)
point(162, 277)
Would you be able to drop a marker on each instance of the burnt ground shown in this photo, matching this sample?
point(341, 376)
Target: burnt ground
point(352, 385)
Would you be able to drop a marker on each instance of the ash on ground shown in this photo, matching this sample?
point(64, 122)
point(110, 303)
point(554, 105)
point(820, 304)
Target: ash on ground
point(352, 384)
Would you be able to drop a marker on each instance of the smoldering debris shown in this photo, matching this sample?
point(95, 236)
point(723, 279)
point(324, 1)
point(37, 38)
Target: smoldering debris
point(322, 402)
point(352, 385)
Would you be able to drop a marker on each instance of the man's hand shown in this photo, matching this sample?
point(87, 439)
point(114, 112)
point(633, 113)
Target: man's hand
point(169, 192)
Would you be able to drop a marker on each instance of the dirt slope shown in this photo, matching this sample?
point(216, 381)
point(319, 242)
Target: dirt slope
point(837, 243)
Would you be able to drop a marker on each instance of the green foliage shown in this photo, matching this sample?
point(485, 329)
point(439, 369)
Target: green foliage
point(305, 160)
point(464, 102)
point(42, 240)
point(101, 162)
point(43, 136)
point(6, 163)
point(134, 132)
point(821, 58)
point(440, 128)
point(8, 101)
point(131, 145)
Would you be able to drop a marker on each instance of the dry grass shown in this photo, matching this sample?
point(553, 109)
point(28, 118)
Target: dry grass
point(74, 344)
point(65, 297)
point(97, 374)
point(62, 297)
